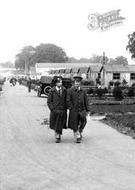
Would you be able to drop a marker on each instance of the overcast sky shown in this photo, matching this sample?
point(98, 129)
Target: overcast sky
point(64, 23)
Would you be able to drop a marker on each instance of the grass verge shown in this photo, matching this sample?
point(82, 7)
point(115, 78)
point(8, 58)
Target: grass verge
point(124, 123)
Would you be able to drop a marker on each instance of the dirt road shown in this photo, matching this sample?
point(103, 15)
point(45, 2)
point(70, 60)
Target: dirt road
point(31, 160)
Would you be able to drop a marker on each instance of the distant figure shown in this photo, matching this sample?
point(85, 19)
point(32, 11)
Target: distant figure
point(57, 105)
point(78, 108)
point(0, 87)
point(98, 81)
point(20, 81)
point(29, 83)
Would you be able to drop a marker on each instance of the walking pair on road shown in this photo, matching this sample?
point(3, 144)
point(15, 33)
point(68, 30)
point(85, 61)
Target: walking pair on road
point(74, 99)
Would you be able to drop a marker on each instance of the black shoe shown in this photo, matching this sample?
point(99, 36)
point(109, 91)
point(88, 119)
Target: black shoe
point(58, 140)
point(78, 140)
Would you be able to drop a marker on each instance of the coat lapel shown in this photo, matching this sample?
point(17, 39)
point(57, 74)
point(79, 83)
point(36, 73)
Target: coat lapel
point(58, 92)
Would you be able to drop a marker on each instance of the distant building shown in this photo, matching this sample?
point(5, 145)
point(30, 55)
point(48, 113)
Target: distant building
point(68, 73)
point(74, 71)
point(62, 72)
point(94, 72)
point(61, 65)
point(88, 71)
point(83, 72)
point(113, 72)
point(41, 69)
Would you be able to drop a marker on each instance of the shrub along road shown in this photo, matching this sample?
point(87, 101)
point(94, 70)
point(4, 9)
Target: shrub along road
point(31, 160)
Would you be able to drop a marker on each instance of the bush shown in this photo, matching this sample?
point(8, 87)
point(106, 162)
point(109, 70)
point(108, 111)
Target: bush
point(111, 83)
point(99, 92)
point(124, 82)
point(125, 91)
point(88, 82)
point(105, 90)
point(117, 93)
point(133, 85)
point(90, 91)
point(131, 92)
point(117, 83)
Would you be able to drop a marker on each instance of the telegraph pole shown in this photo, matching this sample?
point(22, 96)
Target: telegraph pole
point(103, 58)
point(103, 64)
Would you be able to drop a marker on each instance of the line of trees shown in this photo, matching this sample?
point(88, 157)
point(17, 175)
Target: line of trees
point(7, 64)
point(50, 53)
point(99, 59)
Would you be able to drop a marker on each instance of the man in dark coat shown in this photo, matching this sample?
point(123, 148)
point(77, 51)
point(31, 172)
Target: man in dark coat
point(29, 83)
point(78, 108)
point(57, 104)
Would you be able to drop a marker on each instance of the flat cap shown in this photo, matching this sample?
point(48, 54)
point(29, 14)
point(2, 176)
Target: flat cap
point(57, 79)
point(77, 78)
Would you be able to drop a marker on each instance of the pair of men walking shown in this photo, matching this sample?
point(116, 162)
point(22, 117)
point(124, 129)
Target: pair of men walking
point(74, 99)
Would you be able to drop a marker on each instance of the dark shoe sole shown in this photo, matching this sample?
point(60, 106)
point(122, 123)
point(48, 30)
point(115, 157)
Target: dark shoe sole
point(58, 140)
point(78, 140)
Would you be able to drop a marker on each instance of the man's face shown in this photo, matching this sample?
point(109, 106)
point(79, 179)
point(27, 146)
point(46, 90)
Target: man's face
point(59, 84)
point(77, 83)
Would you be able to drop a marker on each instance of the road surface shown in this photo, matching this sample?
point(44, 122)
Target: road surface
point(31, 160)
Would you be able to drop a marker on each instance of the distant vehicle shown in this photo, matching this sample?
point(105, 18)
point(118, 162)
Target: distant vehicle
point(47, 82)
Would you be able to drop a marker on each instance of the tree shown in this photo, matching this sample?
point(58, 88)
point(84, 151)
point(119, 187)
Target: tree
point(112, 61)
point(131, 44)
point(7, 64)
point(84, 60)
point(120, 60)
point(98, 59)
point(25, 58)
point(19, 63)
point(93, 59)
point(81, 60)
point(43, 53)
point(50, 53)
point(72, 60)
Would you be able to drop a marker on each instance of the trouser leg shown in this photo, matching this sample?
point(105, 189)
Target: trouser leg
point(82, 122)
point(29, 89)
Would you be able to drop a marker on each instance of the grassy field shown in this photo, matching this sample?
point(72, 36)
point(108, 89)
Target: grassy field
point(103, 106)
point(124, 123)
point(119, 114)
point(103, 109)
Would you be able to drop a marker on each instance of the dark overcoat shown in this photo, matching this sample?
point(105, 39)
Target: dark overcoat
point(58, 109)
point(77, 104)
